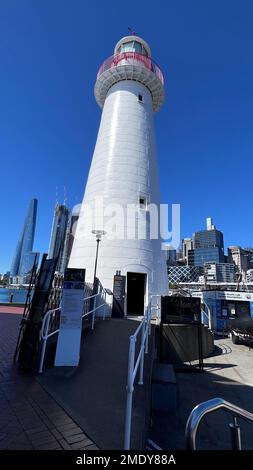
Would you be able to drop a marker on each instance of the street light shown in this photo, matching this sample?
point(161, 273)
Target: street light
point(99, 234)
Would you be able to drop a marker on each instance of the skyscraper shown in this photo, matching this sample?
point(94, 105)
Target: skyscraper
point(187, 245)
point(58, 234)
point(129, 89)
point(69, 239)
point(208, 245)
point(24, 257)
point(239, 257)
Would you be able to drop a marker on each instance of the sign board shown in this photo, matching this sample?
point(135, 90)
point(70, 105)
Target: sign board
point(119, 291)
point(229, 295)
point(69, 338)
point(180, 310)
point(225, 295)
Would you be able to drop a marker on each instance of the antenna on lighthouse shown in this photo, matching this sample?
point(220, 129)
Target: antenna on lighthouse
point(131, 31)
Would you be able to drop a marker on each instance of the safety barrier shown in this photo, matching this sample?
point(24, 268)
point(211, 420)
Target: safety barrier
point(144, 329)
point(50, 327)
point(208, 407)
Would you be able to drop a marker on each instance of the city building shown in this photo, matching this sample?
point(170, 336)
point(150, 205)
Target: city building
point(199, 256)
point(58, 235)
point(129, 89)
point(249, 252)
point(219, 272)
point(187, 245)
point(24, 257)
point(69, 239)
point(208, 245)
point(211, 237)
point(249, 277)
point(171, 256)
point(239, 257)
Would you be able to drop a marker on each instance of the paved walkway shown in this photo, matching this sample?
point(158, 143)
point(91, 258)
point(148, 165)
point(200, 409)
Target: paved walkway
point(30, 418)
point(95, 392)
point(228, 374)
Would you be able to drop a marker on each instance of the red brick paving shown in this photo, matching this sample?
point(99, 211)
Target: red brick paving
point(30, 418)
point(16, 310)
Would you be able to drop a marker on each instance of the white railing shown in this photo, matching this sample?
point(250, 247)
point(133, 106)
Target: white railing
point(47, 322)
point(95, 308)
point(144, 329)
point(206, 317)
point(45, 334)
point(208, 407)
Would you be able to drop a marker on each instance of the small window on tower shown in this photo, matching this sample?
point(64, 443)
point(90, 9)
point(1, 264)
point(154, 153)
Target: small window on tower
point(140, 98)
point(143, 202)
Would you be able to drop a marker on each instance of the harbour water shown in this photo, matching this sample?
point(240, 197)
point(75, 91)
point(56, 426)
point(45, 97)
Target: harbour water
point(19, 295)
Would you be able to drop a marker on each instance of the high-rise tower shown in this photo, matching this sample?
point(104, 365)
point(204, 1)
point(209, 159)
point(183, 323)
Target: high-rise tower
point(58, 234)
point(24, 257)
point(129, 89)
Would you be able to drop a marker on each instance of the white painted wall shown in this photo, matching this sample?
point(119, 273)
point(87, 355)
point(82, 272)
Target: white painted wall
point(123, 168)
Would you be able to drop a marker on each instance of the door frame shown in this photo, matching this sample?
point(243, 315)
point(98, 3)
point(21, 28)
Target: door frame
point(145, 297)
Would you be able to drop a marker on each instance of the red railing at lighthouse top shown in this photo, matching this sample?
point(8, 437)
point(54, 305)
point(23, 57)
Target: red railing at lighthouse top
point(131, 58)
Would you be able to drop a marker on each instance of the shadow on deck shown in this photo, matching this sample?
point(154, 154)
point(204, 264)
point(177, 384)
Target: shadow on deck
point(94, 393)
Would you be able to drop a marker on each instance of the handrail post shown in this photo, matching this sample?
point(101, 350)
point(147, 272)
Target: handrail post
point(45, 326)
point(142, 352)
point(93, 313)
point(104, 307)
point(208, 407)
point(130, 389)
point(149, 318)
point(146, 339)
point(235, 433)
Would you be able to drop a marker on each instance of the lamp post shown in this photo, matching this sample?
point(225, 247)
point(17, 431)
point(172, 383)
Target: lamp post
point(99, 234)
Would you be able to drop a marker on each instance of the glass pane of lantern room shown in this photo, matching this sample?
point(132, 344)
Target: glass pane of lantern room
point(127, 47)
point(133, 46)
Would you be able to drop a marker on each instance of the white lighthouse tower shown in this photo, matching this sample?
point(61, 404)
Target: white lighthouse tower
point(129, 89)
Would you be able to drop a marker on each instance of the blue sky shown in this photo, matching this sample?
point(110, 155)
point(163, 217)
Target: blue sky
point(50, 51)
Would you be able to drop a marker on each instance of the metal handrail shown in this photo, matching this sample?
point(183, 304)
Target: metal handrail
point(44, 332)
point(133, 365)
point(95, 308)
point(208, 407)
point(207, 316)
point(132, 58)
point(44, 335)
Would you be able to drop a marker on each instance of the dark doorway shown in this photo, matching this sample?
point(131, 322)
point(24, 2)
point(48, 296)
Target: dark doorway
point(135, 293)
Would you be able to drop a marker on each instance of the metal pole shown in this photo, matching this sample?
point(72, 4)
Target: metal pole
point(149, 318)
point(93, 313)
point(130, 389)
point(44, 339)
point(147, 334)
point(142, 353)
point(235, 432)
point(96, 262)
point(104, 307)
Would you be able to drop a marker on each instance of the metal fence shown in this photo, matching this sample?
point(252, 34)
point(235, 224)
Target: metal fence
point(131, 58)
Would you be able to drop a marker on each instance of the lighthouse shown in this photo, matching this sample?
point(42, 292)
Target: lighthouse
point(123, 180)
